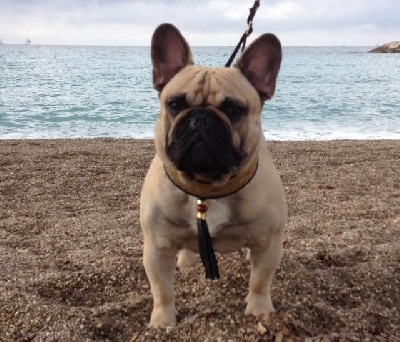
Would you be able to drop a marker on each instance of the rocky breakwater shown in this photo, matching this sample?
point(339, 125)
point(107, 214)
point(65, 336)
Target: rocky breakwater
point(392, 47)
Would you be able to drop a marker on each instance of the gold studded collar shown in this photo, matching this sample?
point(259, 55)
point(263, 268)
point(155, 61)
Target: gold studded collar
point(208, 190)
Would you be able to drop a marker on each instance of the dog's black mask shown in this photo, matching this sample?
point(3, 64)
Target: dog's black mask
point(202, 144)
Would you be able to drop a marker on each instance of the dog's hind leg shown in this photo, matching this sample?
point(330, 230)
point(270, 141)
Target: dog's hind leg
point(186, 259)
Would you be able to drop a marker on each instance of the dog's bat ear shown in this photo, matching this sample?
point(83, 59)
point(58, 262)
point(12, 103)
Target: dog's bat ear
point(169, 54)
point(260, 63)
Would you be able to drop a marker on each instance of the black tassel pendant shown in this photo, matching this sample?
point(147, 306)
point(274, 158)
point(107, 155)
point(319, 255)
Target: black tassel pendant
point(206, 249)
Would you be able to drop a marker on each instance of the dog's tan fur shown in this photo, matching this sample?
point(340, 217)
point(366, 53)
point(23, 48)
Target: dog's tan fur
point(254, 217)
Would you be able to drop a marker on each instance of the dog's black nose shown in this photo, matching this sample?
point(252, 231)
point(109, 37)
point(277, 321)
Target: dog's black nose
point(202, 118)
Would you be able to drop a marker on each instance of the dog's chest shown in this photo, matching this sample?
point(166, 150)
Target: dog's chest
point(218, 214)
point(227, 231)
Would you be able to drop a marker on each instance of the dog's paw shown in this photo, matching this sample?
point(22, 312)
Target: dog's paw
point(259, 304)
point(163, 317)
point(186, 259)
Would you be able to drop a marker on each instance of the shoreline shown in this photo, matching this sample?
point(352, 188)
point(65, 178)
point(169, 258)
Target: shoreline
point(71, 246)
point(152, 138)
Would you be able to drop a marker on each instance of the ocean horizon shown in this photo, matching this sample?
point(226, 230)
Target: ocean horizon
point(68, 91)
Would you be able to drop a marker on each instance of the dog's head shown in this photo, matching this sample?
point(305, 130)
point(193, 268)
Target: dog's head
point(209, 125)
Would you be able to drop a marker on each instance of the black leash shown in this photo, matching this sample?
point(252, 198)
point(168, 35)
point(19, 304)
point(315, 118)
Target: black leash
point(242, 41)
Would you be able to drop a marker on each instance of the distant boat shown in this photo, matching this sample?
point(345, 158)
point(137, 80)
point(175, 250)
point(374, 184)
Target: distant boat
point(27, 41)
point(1, 41)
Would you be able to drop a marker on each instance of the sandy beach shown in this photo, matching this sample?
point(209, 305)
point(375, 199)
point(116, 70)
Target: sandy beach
point(71, 248)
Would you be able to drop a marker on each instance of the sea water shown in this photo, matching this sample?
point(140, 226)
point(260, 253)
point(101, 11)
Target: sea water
point(323, 93)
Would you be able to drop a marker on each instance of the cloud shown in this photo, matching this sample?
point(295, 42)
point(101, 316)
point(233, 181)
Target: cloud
point(204, 22)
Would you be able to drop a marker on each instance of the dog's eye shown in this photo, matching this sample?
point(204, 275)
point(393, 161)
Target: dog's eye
point(233, 109)
point(176, 104)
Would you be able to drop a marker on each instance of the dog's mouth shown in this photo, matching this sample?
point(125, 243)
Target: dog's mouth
point(202, 148)
point(205, 164)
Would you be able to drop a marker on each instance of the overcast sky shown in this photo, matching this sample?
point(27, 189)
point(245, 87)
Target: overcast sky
point(203, 22)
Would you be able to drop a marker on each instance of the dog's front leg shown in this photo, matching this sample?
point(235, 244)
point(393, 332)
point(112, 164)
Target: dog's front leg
point(264, 262)
point(160, 264)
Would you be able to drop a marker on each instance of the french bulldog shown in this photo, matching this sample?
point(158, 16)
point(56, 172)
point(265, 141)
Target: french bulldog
point(209, 144)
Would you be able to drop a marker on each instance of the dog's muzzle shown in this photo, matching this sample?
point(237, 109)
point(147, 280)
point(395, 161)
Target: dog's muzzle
point(202, 144)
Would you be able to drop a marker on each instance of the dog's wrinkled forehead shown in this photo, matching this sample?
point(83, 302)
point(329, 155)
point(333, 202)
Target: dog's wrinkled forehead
point(203, 85)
